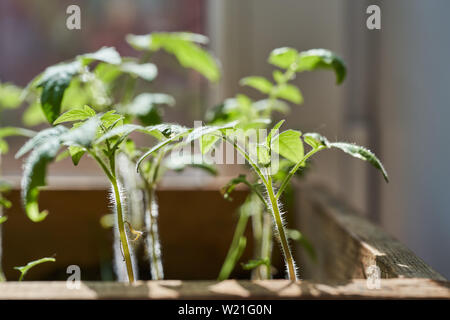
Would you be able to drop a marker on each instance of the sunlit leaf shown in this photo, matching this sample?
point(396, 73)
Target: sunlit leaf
point(289, 145)
point(40, 138)
point(321, 59)
point(183, 46)
point(110, 118)
point(144, 107)
point(259, 83)
point(283, 57)
point(315, 140)
point(34, 174)
point(76, 153)
point(290, 93)
point(105, 54)
point(54, 82)
point(361, 153)
point(78, 114)
point(207, 142)
point(146, 71)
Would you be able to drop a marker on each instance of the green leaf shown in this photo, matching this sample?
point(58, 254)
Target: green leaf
point(252, 264)
point(183, 46)
point(278, 76)
point(315, 140)
point(146, 71)
point(23, 270)
point(361, 153)
point(160, 145)
point(78, 114)
point(76, 153)
point(207, 142)
point(45, 146)
point(144, 106)
point(199, 132)
point(41, 138)
point(107, 73)
point(273, 132)
point(259, 83)
point(290, 93)
point(34, 173)
point(83, 135)
point(105, 54)
point(54, 82)
point(10, 96)
point(3, 219)
point(276, 105)
point(289, 145)
point(283, 57)
point(110, 118)
point(321, 59)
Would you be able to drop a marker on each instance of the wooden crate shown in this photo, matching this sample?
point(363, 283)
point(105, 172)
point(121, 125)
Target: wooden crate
point(346, 245)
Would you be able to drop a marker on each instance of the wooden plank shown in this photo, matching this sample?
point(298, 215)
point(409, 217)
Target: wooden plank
point(347, 243)
point(229, 289)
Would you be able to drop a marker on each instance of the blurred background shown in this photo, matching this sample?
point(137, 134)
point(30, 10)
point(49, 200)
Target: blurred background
point(395, 99)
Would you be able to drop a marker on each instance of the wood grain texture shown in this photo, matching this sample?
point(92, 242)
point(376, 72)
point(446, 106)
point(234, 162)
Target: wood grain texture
point(229, 289)
point(347, 243)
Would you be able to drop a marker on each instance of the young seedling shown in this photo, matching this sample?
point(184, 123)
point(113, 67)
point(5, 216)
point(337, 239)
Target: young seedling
point(95, 79)
point(287, 144)
point(243, 109)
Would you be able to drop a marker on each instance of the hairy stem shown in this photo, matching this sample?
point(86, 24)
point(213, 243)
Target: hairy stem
point(123, 236)
point(122, 233)
point(281, 232)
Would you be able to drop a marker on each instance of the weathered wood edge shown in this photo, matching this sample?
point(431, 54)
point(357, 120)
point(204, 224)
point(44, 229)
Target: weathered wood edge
point(357, 243)
point(229, 289)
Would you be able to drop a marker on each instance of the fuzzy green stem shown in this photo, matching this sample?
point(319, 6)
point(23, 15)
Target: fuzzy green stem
point(123, 236)
point(122, 233)
point(280, 228)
